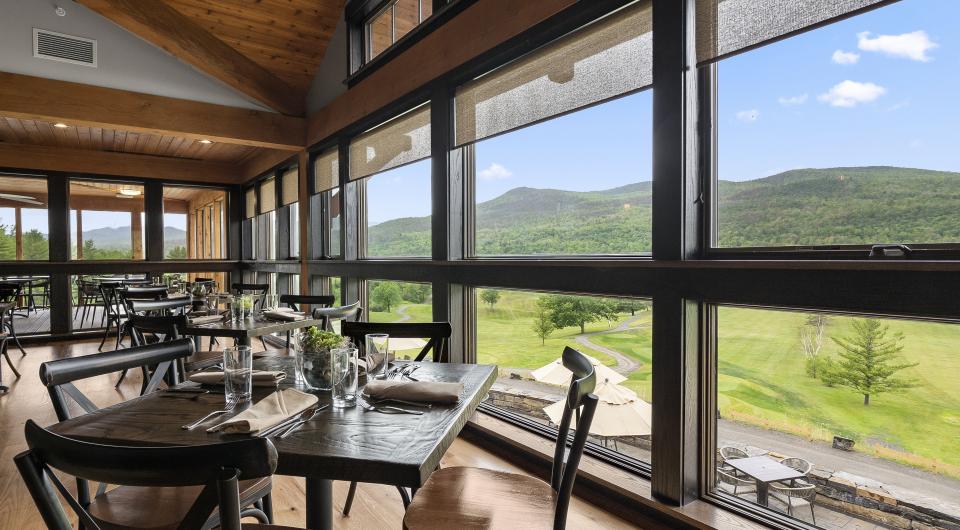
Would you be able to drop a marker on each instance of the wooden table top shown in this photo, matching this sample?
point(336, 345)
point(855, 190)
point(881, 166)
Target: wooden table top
point(764, 468)
point(251, 327)
point(349, 444)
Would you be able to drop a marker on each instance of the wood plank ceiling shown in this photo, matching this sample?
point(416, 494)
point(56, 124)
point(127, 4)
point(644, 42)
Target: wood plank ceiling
point(35, 132)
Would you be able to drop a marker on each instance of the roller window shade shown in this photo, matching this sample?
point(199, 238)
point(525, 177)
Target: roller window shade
point(725, 27)
point(250, 206)
point(401, 141)
point(268, 195)
point(326, 171)
point(606, 59)
point(290, 186)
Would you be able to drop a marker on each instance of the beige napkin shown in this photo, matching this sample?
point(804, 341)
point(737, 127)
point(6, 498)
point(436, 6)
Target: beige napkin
point(260, 378)
point(284, 315)
point(268, 412)
point(421, 391)
point(206, 319)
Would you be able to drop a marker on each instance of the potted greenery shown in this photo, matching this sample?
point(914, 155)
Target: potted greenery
point(313, 356)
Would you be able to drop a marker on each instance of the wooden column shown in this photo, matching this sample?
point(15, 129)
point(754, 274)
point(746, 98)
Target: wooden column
point(18, 228)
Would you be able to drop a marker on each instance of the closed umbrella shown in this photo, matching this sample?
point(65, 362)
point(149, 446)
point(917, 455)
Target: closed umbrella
point(555, 373)
point(620, 412)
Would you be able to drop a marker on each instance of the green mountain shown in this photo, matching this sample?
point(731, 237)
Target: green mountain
point(798, 207)
point(119, 237)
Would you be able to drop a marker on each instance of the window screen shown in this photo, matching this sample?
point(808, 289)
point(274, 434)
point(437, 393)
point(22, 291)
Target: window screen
point(326, 171)
point(250, 209)
point(268, 195)
point(606, 59)
point(290, 185)
point(401, 141)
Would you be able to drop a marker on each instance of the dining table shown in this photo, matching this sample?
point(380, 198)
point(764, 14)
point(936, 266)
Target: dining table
point(351, 444)
point(247, 329)
point(764, 470)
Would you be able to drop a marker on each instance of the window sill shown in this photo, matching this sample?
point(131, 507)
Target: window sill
point(613, 489)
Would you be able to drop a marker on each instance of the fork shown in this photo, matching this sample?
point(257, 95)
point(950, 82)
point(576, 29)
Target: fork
point(194, 425)
point(386, 409)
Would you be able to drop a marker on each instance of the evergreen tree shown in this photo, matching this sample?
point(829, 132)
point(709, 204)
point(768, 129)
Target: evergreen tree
point(868, 360)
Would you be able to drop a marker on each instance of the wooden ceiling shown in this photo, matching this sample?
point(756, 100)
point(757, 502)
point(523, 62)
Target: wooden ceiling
point(36, 132)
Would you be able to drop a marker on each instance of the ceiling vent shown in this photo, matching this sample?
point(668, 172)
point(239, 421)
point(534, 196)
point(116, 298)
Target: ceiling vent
point(64, 48)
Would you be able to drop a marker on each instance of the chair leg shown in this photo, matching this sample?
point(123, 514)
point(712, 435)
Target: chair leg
point(813, 515)
point(404, 496)
point(266, 504)
point(6, 355)
point(123, 375)
point(263, 343)
point(13, 333)
point(349, 502)
point(106, 332)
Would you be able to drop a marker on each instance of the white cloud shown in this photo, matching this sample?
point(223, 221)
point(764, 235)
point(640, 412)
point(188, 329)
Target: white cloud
point(842, 57)
point(748, 116)
point(793, 100)
point(851, 93)
point(913, 46)
point(899, 105)
point(495, 172)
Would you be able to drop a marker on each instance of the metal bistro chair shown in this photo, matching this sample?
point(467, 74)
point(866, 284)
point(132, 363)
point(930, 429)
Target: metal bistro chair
point(10, 293)
point(295, 301)
point(463, 497)
point(147, 329)
point(39, 289)
point(114, 311)
point(144, 304)
point(88, 300)
point(194, 487)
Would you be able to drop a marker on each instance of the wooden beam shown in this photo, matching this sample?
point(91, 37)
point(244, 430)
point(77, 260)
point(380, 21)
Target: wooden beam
point(36, 98)
point(121, 164)
point(264, 161)
point(179, 35)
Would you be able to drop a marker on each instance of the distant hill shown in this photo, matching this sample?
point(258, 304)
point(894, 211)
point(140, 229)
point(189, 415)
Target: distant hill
point(798, 207)
point(119, 237)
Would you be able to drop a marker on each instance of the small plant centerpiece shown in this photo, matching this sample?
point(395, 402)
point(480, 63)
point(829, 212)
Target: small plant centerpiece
point(313, 356)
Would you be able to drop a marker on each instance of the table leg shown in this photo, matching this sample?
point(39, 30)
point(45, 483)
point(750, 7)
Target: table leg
point(762, 493)
point(196, 343)
point(319, 504)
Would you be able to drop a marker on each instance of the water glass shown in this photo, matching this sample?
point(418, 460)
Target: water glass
point(237, 374)
point(346, 375)
point(270, 302)
point(240, 308)
point(377, 345)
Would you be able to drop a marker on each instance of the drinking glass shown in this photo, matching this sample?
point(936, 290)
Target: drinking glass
point(345, 376)
point(237, 374)
point(270, 302)
point(377, 345)
point(240, 308)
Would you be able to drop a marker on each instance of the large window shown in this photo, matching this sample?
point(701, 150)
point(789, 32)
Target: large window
point(393, 161)
point(392, 301)
point(106, 220)
point(524, 334)
point(395, 20)
point(194, 221)
point(266, 241)
point(843, 135)
point(326, 183)
point(865, 408)
point(554, 174)
point(289, 199)
point(23, 219)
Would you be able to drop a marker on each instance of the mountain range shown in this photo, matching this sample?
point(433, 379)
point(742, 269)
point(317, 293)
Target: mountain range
point(829, 206)
point(119, 237)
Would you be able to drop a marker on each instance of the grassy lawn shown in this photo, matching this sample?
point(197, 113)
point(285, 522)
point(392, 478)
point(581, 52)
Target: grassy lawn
point(635, 343)
point(762, 381)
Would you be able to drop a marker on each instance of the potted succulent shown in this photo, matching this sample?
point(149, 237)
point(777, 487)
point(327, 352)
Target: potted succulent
point(313, 356)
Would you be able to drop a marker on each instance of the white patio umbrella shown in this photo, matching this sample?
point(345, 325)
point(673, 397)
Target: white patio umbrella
point(620, 412)
point(555, 373)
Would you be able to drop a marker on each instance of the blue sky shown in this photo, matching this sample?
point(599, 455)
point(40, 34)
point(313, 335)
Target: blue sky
point(869, 90)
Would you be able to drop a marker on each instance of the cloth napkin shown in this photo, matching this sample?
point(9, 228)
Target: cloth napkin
point(260, 378)
point(420, 391)
point(277, 314)
point(268, 412)
point(206, 319)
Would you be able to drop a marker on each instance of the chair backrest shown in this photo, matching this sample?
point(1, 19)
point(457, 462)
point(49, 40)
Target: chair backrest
point(250, 288)
point(111, 299)
point(216, 467)
point(802, 465)
point(583, 403)
point(728, 452)
point(10, 291)
point(294, 301)
point(161, 307)
point(329, 315)
point(170, 326)
point(129, 294)
point(437, 334)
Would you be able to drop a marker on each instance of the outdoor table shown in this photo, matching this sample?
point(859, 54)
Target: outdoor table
point(764, 470)
point(244, 331)
point(349, 444)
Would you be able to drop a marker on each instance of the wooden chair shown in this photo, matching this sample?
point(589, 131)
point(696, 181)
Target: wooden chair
point(10, 293)
point(329, 315)
point(193, 487)
point(295, 301)
point(437, 333)
point(59, 377)
point(462, 497)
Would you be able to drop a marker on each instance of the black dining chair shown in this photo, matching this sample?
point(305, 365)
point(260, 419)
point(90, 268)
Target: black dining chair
point(329, 315)
point(38, 289)
point(4, 339)
point(148, 307)
point(296, 301)
point(150, 329)
point(438, 335)
point(256, 289)
point(114, 311)
point(464, 497)
point(192, 487)
point(11, 293)
point(159, 363)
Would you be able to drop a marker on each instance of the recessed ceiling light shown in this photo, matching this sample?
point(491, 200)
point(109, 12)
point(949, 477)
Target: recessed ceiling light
point(126, 192)
point(205, 141)
point(60, 125)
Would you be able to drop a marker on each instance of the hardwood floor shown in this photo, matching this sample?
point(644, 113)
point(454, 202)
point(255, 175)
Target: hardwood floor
point(375, 506)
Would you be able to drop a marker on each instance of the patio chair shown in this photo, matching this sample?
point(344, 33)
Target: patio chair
point(728, 481)
point(800, 464)
point(729, 452)
point(799, 495)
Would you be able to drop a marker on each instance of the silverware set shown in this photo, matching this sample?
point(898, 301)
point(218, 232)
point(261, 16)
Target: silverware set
point(288, 426)
point(405, 370)
point(387, 409)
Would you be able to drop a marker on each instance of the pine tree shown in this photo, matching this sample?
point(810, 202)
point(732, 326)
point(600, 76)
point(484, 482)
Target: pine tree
point(868, 360)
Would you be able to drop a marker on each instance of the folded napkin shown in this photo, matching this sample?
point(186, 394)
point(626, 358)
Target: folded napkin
point(268, 412)
point(421, 391)
point(206, 319)
point(284, 315)
point(260, 378)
